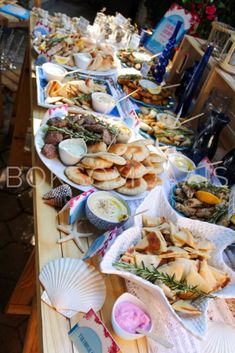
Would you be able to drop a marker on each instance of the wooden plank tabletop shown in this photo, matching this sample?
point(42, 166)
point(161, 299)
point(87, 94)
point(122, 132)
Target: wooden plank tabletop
point(53, 327)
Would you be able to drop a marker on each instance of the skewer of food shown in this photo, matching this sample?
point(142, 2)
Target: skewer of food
point(175, 260)
point(148, 91)
point(164, 128)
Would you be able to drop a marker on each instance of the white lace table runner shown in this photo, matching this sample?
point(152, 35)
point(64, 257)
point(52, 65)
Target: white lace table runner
point(219, 310)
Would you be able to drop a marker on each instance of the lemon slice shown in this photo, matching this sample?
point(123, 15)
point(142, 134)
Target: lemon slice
point(207, 197)
point(196, 179)
point(232, 219)
point(156, 90)
point(61, 59)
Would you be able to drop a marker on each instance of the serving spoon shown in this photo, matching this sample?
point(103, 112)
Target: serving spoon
point(155, 338)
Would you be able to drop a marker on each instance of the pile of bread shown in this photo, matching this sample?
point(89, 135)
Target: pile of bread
point(130, 169)
point(176, 252)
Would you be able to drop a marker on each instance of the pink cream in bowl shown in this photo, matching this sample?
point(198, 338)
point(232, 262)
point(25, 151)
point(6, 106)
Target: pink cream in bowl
point(130, 317)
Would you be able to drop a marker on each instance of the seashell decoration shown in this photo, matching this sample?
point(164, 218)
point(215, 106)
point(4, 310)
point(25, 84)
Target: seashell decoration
point(73, 285)
point(220, 338)
point(59, 196)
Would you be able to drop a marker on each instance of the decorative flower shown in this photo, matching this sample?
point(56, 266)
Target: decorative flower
point(210, 10)
point(210, 17)
point(200, 5)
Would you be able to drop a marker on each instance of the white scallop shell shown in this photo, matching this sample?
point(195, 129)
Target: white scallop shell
point(72, 285)
point(220, 338)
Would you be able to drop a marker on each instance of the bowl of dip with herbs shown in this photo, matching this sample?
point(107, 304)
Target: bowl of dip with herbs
point(106, 210)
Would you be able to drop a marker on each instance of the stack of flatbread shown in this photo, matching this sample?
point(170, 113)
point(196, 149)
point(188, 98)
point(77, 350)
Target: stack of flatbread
point(130, 169)
point(176, 252)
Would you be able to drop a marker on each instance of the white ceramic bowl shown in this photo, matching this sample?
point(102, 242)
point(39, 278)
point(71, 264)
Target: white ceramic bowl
point(71, 150)
point(176, 171)
point(102, 102)
point(103, 222)
point(82, 60)
point(118, 330)
point(53, 72)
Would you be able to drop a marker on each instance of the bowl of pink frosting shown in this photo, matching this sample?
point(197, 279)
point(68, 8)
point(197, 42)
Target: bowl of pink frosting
point(129, 314)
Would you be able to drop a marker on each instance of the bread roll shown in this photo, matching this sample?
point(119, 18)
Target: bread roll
point(118, 148)
point(132, 170)
point(133, 187)
point(76, 175)
point(104, 174)
point(95, 163)
point(110, 184)
point(97, 147)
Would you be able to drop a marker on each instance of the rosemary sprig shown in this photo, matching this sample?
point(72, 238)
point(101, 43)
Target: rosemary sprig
point(81, 133)
point(154, 275)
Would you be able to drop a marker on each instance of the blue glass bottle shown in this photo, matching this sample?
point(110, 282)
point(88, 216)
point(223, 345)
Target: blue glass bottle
point(160, 68)
point(185, 103)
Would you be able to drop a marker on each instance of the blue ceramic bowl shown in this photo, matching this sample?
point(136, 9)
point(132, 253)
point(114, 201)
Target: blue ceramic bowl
point(98, 221)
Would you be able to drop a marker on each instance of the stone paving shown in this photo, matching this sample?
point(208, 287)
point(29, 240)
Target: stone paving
point(16, 237)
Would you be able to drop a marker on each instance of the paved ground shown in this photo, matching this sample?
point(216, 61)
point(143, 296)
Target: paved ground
point(16, 234)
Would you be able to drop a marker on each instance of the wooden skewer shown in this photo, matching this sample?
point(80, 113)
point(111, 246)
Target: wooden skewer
point(155, 55)
point(210, 164)
point(139, 213)
point(192, 118)
point(171, 86)
point(128, 95)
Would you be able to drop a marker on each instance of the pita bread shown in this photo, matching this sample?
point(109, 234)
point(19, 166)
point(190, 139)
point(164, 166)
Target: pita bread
point(221, 277)
point(137, 153)
point(133, 187)
point(103, 174)
point(95, 163)
point(76, 175)
point(156, 158)
point(148, 260)
point(111, 157)
point(156, 241)
point(185, 307)
point(110, 184)
point(174, 252)
point(142, 142)
point(206, 273)
point(149, 221)
point(172, 269)
point(97, 147)
point(195, 279)
point(132, 170)
point(118, 148)
point(152, 180)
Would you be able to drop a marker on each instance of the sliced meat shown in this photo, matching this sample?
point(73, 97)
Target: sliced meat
point(193, 203)
point(49, 151)
point(58, 122)
point(89, 120)
point(53, 137)
point(107, 137)
point(95, 128)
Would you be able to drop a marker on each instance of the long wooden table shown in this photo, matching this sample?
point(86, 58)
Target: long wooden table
point(53, 327)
